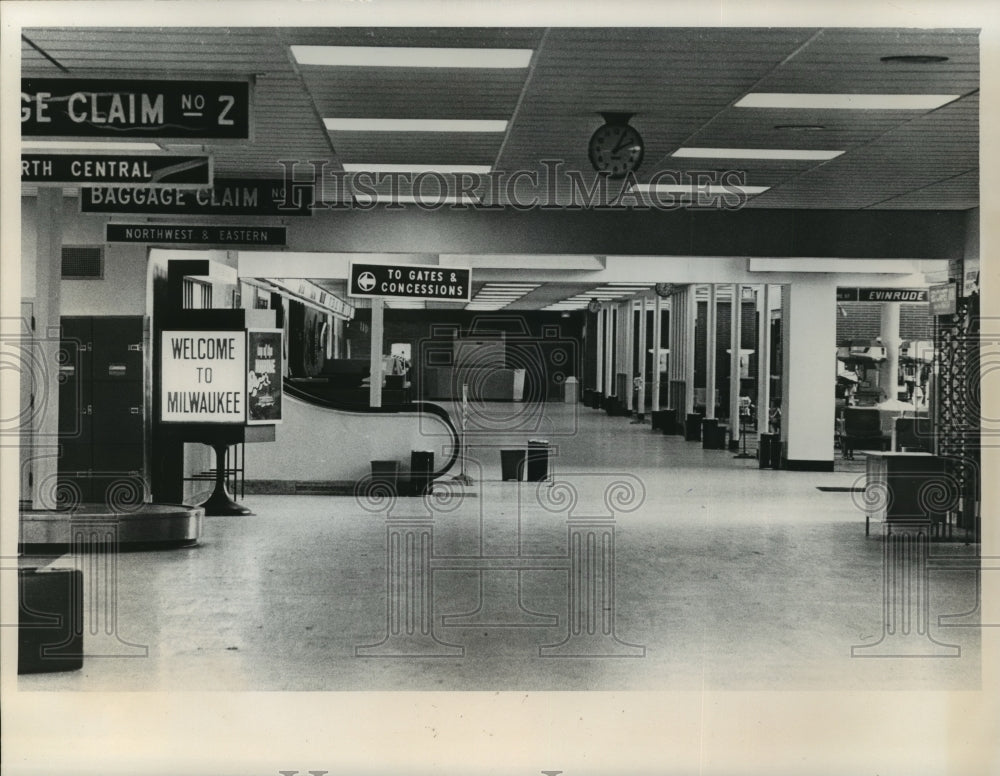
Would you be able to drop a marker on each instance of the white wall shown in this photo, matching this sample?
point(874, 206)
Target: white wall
point(317, 444)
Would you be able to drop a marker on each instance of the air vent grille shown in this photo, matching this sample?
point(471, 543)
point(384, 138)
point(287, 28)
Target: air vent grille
point(79, 263)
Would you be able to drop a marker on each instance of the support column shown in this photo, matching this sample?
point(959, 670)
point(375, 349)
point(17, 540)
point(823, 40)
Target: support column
point(710, 346)
point(599, 377)
point(641, 409)
point(763, 357)
point(609, 349)
point(655, 361)
point(629, 365)
point(809, 340)
point(735, 339)
point(691, 307)
point(375, 355)
point(47, 310)
point(888, 371)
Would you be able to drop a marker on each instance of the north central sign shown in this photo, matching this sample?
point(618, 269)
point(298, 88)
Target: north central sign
point(125, 108)
point(118, 169)
point(410, 281)
point(203, 376)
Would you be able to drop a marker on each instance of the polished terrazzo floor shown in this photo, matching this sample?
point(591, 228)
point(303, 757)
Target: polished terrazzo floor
point(708, 573)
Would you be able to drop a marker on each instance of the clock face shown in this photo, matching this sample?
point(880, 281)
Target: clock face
point(616, 149)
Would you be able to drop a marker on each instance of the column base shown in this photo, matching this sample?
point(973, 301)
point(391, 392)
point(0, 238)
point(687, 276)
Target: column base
point(801, 465)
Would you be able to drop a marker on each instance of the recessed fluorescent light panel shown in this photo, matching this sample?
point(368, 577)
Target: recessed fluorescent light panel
point(845, 101)
point(61, 145)
point(481, 169)
point(755, 153)
point(411, 57)
point(693, 190)
point(415, 125)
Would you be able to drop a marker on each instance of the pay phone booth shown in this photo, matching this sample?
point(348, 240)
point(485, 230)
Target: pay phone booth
point(215, 378)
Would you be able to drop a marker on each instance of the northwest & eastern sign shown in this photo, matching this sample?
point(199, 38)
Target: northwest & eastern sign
point(195, 234)
point(125, 108)
point(881, 294)
point(227, 197)
point(416, 281)
point(117, 169)
point(203, 376)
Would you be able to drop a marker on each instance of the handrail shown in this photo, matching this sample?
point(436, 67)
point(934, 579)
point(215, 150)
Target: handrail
point(296, 391)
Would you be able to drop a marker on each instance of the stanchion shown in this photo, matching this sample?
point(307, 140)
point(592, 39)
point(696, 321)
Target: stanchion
point(462, 478)
point(743, 438)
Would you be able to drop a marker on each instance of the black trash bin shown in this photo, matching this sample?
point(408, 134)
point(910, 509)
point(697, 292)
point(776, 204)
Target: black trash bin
point(710, 433)
point(769, 451)
point(659, 419)
point(538, 459)
point(512, 463)
point(421, 470)
point(50, 620)
point(385, 474)
point(692, 428)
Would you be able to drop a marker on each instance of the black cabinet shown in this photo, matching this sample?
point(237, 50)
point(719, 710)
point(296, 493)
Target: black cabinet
point(101, 407)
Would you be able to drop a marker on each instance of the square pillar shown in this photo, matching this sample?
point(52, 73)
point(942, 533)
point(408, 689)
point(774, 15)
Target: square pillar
point(809, 347)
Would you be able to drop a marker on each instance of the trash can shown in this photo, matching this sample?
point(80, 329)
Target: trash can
point(571, 392)
point(710, 433)
point(660, 419)
point(692, 428)
point(421, 471)
point(50, 620)
point(769, 451)
point(538, 459)
point(512, 463)
point(588, 397)
point(385, 474)
point(596, 399)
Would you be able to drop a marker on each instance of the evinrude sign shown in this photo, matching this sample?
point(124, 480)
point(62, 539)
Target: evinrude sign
point(132, 109)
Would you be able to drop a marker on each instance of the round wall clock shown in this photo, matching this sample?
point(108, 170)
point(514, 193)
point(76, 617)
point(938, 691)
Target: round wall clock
point(664, 289)
point(616, 147)
point(594, 306)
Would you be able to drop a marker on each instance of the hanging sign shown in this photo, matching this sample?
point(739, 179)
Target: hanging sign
point(128, 109)
point(943, 299)
point(264, 376)
point(203, 376)
point(234, 197)
point(410, 281)
point(119, 169)
point(195, 234)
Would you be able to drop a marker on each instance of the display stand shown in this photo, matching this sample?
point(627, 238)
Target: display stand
point(220, 502)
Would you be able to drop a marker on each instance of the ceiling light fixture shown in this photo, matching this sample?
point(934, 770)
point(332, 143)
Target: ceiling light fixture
point(800, 127)
point(412, 57)
point(693, 190)
point(481, 169)
point(62, 145)
point(817, 101)
point(915, 59)
point(755, 153)
point(415, 125)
